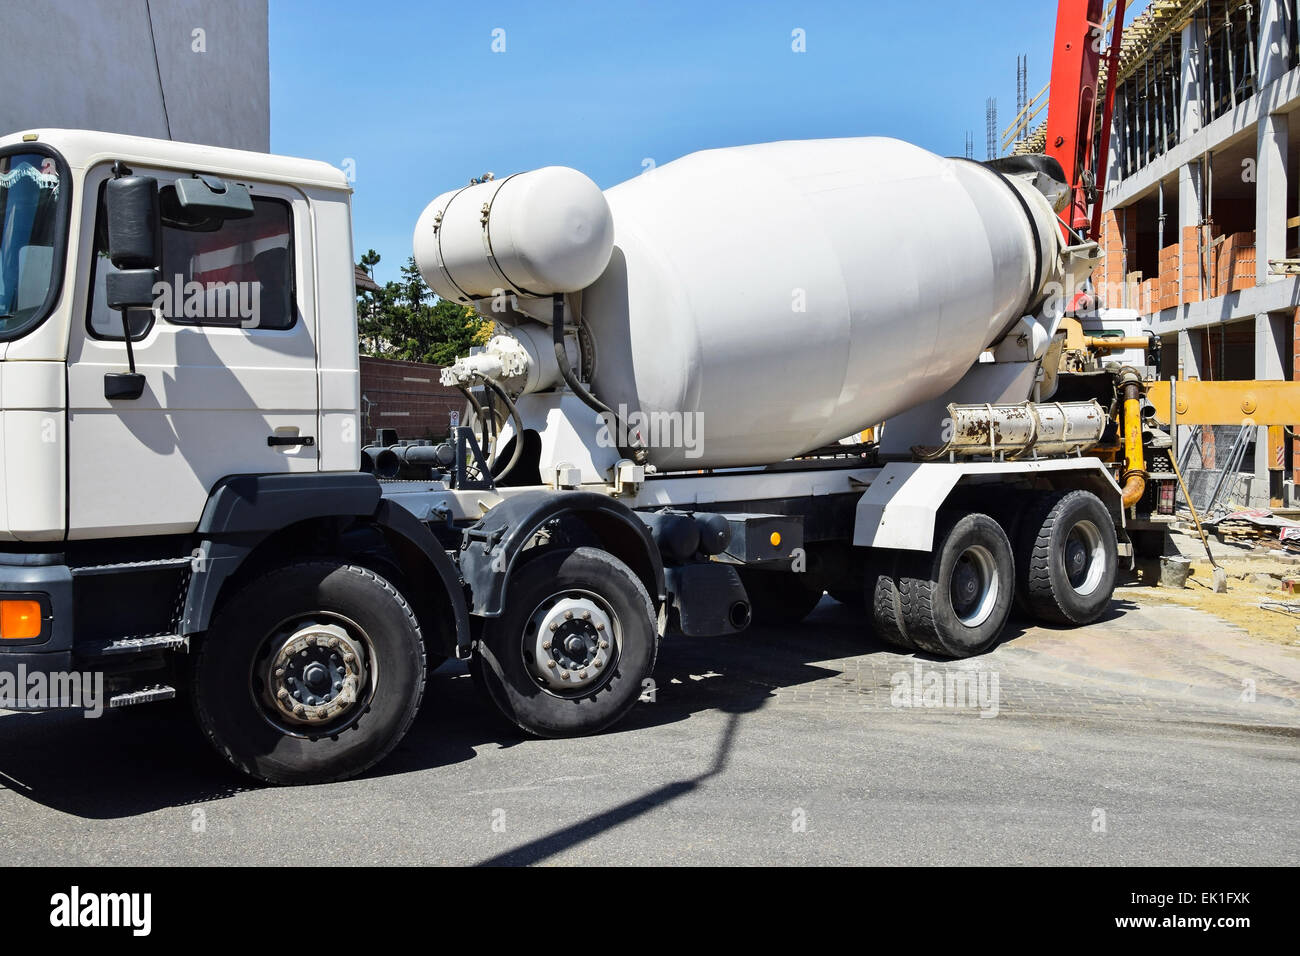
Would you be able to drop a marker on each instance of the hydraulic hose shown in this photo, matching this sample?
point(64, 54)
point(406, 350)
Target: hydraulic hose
point(519, 428)
point(638, 455)
point(478, 413)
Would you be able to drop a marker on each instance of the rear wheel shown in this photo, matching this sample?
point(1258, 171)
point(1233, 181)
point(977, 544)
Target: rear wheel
point(955, 600)
point(779, 598)
point(311, 673)
point(886, 604)
point(1067, 558)
point(577, 639)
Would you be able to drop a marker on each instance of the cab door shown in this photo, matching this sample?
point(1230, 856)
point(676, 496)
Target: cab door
point(228, 354)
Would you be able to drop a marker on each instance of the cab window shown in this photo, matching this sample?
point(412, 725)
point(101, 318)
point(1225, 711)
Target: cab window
point(237, 273)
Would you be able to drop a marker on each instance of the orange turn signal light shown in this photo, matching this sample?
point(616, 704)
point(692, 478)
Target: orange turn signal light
point(20, 620)
point(775, 539)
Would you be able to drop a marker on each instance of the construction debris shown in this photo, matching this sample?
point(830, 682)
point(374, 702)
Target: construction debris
point(1257, 526)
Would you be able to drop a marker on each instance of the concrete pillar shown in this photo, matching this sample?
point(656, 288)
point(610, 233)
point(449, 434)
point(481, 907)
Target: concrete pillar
point(1189, 214)
point(1190, 350)
point(1190, 119)
point(1274, 44)
point(1270, 194)
point(1114, 158)
point(1270, 364)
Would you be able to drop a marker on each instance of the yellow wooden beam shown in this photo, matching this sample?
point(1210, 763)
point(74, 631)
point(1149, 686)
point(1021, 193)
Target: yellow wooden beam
point(1228, 403)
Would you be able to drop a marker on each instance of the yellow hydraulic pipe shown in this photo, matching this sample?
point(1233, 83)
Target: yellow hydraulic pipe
point(1135, 474)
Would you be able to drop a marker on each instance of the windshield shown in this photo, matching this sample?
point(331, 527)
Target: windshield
point(30, 235)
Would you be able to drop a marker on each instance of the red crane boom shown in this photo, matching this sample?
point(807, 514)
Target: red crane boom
point(1072, 106)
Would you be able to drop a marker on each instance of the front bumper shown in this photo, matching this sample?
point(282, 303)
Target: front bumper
point(33, 575)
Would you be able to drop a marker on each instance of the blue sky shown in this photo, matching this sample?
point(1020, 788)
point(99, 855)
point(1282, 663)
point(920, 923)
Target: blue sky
point(413, 95)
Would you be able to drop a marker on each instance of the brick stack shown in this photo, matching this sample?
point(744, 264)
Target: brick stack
point(1195, 255)
point(1118, 238)
point(406, 396)
point(1167, 296)
point(1236, 263)
point(1148, 296)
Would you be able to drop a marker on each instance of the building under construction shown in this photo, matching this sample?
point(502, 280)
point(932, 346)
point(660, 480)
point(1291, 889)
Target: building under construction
point(1200, 230)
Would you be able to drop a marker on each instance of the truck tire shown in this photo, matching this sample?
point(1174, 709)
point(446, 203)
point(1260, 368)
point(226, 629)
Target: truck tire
point(608, 640)
point(310, 673)
point(779, 598)
point(886, 604)
point(956, 599)
point(1067, 558)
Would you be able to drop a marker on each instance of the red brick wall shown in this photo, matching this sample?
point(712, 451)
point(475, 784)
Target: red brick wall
point(406, 396)
point(1118, 240)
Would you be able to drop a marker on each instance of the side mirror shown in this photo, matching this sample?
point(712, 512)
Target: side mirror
point(131, 208)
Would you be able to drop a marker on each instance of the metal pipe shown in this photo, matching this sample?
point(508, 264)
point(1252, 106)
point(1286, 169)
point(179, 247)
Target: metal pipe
point(1232, 66)
point(1210, 86)
point(1160, 217)
point(1173, 460)
point(1253, 65)
point(380, 462)
point(1117, 342)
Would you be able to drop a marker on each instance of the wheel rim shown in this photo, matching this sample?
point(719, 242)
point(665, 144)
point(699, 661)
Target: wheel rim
point(314, 675)
point(974, 586)
point(571, 643)
point(1083, 556)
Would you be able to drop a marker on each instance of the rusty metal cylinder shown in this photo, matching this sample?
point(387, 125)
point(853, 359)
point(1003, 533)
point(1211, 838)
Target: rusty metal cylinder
point(1025, 430)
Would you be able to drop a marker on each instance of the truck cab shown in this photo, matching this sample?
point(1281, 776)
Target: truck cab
point(253, 337)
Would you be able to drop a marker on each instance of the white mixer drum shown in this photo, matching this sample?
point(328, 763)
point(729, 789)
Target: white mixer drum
point(789, 294)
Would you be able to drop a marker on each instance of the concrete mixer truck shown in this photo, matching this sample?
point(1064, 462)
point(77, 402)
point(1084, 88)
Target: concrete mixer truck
point(657, 442)
point(653, 448)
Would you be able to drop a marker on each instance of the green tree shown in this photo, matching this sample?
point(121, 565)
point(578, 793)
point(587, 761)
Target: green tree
point(405, 320)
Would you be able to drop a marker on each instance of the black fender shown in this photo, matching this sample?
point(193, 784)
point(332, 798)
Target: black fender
point(490, 548)
point(245, 510)
point(399, 523)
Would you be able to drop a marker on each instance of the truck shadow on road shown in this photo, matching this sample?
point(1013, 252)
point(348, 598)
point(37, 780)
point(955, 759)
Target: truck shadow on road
point(152, 757)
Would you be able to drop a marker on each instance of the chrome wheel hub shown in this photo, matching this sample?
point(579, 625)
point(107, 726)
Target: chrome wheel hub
point(1085, 557)
point(570, 643)
point(314, 674)
point(974, 586)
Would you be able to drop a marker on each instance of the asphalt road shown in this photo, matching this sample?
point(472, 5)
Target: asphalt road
point(1156, 736)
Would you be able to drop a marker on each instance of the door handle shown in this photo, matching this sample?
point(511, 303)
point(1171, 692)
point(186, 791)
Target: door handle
point(274, 440)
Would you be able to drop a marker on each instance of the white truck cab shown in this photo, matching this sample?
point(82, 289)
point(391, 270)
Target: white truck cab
point(255, 337)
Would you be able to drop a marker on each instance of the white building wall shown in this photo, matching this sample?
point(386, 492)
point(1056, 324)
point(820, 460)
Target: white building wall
point(187, 70)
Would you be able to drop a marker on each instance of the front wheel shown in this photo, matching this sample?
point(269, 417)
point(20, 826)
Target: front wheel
point(310, 673)
point(577, 640)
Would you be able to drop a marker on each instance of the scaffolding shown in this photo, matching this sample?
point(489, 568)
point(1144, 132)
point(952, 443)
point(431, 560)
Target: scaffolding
point(991, 127)
point(1211, 463)
point(1150, 73)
